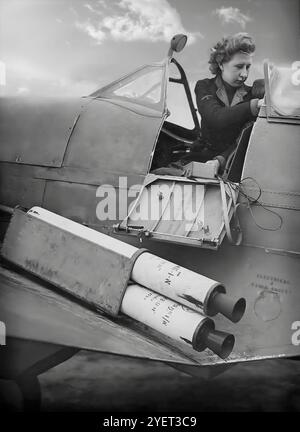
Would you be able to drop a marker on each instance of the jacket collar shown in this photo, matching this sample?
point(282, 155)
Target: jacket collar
point(222, 94)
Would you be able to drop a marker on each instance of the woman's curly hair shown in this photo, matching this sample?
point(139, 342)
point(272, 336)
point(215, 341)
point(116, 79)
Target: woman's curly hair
point(225, 49)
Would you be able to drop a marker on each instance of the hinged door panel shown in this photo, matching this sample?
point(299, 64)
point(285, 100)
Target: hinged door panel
point(179, 210)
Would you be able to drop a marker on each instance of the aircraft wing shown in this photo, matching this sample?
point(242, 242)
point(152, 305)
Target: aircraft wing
point(34, 310)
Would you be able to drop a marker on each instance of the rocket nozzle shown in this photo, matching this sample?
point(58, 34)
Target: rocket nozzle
point(205, 336)
point(231, 308)
point(221, 343)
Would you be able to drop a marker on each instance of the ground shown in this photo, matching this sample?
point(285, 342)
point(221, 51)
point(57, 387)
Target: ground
point(102, 382)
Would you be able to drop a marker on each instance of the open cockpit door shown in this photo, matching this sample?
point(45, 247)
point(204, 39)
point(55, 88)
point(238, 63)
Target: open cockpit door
point(195, 212)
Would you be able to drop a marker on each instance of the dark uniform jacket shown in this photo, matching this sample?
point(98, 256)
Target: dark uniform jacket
point(222, 122)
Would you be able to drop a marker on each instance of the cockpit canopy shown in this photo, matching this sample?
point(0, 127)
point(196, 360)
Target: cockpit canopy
point(145, 86)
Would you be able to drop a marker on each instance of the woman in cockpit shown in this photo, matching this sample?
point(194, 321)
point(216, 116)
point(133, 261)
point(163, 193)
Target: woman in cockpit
point(225, 102)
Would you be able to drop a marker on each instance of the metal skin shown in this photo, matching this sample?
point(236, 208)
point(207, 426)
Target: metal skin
point(33, 119)
point(98, 140)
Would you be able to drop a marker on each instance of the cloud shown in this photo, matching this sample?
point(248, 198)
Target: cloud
point(92, 9)
point(96, 33)
point(148, 20)
point(230, 15)
point(102, 3)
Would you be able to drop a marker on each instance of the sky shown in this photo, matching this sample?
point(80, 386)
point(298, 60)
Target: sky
point(73, 47)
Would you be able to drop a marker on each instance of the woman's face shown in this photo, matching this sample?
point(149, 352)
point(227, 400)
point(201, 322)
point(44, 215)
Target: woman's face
point(236, 70)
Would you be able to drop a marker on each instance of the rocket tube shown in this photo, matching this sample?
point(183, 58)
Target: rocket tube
point(185, 286)
point(175, 320)
point(192, 289)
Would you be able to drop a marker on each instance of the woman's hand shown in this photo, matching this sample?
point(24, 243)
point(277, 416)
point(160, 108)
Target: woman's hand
point(260, 103)
point(258, 89)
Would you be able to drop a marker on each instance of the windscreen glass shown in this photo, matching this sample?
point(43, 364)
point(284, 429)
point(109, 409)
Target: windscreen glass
point(285, 90)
